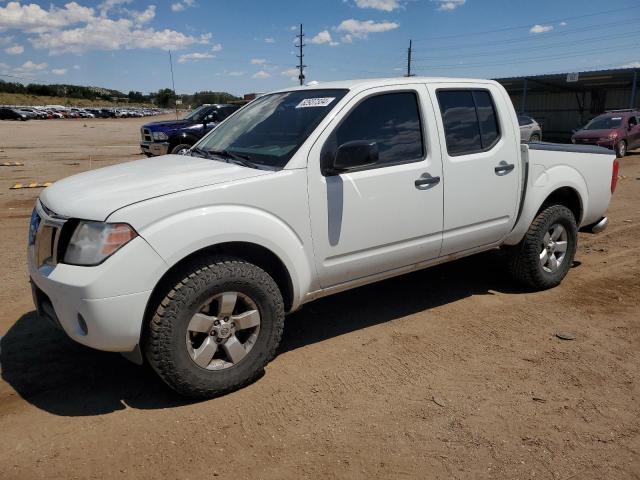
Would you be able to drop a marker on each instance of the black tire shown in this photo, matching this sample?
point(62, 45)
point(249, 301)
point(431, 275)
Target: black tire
point(621, 149)
point(524, 258)
point(179, 147)
point(534, 138)
point(164, 342)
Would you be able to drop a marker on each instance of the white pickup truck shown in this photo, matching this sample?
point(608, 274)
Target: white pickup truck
point(193, 261)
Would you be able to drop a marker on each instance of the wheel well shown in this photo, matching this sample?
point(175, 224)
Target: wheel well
point(568, 197)
point(177, 140)
point(250, 252)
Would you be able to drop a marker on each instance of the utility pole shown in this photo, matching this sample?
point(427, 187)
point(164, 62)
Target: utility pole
point(173, 84)
point(300, 56)
point(409, 74)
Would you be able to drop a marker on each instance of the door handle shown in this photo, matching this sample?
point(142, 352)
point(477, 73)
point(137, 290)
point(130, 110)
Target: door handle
point(503, 168)
point(426, 181)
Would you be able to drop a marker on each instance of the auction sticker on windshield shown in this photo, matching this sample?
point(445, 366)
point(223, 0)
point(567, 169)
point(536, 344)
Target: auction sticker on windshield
point(315, 102)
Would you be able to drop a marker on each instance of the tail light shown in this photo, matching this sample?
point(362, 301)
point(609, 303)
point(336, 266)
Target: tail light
point(614, 175)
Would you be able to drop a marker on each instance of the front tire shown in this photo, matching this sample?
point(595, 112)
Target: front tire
point(621, 149)
point(217, 328)
point(180, 149)
point(543, 257)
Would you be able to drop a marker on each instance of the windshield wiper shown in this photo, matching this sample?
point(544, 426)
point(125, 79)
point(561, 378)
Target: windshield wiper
point(236, 158)
point(201, 152)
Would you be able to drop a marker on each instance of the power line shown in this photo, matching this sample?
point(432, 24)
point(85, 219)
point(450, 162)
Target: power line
point(518, 50)
point(301, 65)
point(506, 29)
point(524, 60)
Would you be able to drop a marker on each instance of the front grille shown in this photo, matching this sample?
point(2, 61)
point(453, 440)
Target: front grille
point(146, 135)
point(46, 227)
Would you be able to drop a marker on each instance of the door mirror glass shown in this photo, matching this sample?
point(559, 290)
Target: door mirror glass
point(353, 155)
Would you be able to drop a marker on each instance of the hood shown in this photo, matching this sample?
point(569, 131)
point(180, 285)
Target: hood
point(94, 195)
point(595, 133)
point(167, 125)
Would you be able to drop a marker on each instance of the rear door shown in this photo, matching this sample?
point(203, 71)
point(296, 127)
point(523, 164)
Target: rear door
point(634, 131)
point(481, 151)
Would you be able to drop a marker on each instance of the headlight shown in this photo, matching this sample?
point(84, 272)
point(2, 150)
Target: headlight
point(613, 135)
point(94, 242)
point(160, 136)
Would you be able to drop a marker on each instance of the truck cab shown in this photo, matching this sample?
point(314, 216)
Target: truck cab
point(177, 136)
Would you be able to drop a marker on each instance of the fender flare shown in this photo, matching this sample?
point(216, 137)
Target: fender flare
point(543, 183)
point(180, 235)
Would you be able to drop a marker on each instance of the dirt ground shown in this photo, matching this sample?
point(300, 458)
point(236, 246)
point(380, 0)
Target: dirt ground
point(453, 372)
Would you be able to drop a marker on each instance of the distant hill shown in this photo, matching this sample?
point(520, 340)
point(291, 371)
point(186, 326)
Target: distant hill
point(34, 93)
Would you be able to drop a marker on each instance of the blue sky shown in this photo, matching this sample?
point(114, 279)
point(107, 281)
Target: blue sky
point(245, 46)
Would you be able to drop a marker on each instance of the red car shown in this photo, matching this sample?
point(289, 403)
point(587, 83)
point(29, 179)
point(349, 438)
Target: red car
point(615, 129)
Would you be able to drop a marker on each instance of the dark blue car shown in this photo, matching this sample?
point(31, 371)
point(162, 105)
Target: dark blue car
point(175, 136)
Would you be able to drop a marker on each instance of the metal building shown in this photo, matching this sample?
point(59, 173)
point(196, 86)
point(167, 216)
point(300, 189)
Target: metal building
point(564, 102)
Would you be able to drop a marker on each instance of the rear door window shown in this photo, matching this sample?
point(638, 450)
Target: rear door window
point(470, 121)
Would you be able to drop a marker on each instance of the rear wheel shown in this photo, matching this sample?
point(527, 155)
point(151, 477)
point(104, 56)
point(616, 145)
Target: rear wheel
point(621, 149)
point(217, 328)
point(534, 138)
point(543, 257)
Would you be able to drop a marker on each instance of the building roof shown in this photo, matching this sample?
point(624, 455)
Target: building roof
point(576, 81)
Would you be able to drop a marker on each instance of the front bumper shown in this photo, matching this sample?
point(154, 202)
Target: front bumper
point(101, 307)
point(154, 149)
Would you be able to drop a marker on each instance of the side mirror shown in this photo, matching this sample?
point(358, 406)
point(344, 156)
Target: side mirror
point(352, 156)
point(212, 117)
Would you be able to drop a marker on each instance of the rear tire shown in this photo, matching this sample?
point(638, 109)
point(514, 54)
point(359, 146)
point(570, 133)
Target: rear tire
point(621, 149)
point(534, 138)
point(179, 346)
point(543, 257)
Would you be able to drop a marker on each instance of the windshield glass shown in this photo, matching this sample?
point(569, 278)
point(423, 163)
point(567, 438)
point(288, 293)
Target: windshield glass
point(269, 130)
point(197, 115)
point(604, 123)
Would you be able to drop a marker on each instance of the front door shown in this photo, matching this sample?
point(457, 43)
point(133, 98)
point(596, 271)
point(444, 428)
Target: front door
point(388, 215)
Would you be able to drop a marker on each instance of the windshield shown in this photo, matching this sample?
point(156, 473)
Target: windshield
point(197, 115)
point(269, 130)
point(604, 123)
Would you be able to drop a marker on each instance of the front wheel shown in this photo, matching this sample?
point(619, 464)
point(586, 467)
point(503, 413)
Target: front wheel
point(217, 328)
point(181, 149)
point(621, 149)
point(543, 257)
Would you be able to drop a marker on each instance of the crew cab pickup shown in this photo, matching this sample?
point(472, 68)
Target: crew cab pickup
point(192, 261)
point(177, 136)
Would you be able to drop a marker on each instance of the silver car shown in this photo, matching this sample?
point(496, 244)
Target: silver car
point(530, 130)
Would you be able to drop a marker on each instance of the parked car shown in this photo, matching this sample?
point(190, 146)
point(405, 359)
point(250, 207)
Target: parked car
point(616, 129)
point(12, 114)
point(530, 130)
point(177, 136)
point(192, 261)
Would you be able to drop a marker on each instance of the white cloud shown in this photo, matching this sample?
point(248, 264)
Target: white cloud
point(177, 7)
point(236, 73)
point(194, 57)
point(630, 65)
point(145, 16)
point(294, 27)
point(449, 5)
point(563, 24)
point(30, 66)
point(189, 3)
point(14, 50)
point(59, 71)
point(77, 29)
point(261, 74)
point(362, 29)
point(216, 48)
point(269, 40)
point(541, 28)
point(322, 37)
point(292, 73)
point(258, 61)
point(385, 5)
point(181, 6)
point(76, 67)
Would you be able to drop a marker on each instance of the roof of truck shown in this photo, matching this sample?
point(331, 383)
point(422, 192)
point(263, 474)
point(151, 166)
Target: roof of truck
point(381, 82)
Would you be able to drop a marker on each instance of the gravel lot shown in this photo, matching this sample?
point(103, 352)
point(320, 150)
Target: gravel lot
point(453, 372)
